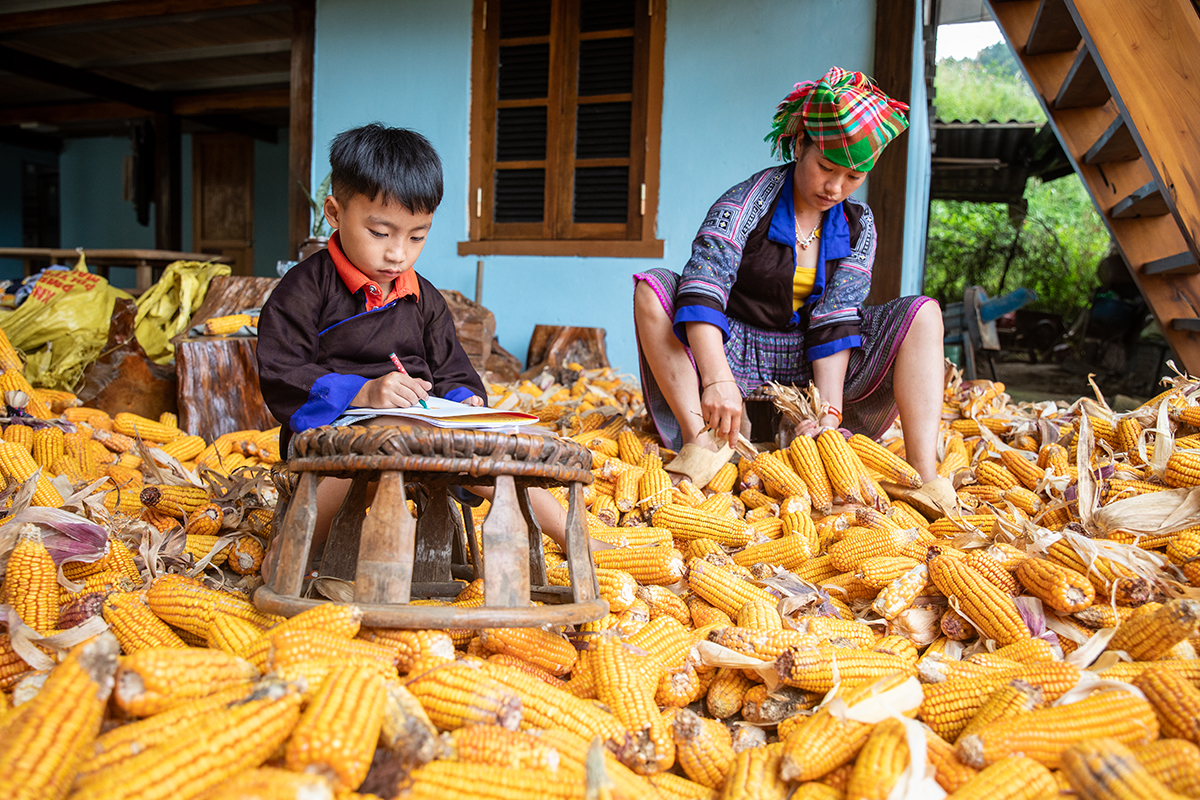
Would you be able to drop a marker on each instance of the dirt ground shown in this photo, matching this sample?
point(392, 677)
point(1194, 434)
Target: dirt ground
point(1026, 382)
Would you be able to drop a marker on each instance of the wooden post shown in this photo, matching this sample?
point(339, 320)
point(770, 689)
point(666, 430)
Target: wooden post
point(300, 136)
point(887, 187)
point(345, 532)
point(297, 537)
point(385, 553)
point(584, 586)
point(506, 544)
point(168, 217)
point(435, 538)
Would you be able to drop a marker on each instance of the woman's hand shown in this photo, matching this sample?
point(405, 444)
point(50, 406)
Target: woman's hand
point(721, 404)
point(394, 390)
point(810, 428)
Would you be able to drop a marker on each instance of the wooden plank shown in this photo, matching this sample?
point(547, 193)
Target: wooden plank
point(506, 549)
point(340, 559)
point(300, 124)
point(107, 12)
point(168, 182)
point(1147, 201)
point(435, 531)
point(1190, 324)
point(1053, 29)
point(1115, 144)
point(385, 557)
point(584, 586)
point(1150, 52)
point(1084, 85)
point(887, 190)
point(1179, 264)
point(537, 554)
point(296, 537)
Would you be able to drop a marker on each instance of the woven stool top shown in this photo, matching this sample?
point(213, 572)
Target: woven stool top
point(440, 450)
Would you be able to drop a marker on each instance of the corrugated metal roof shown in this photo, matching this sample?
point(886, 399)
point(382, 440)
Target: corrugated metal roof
point(990, 162)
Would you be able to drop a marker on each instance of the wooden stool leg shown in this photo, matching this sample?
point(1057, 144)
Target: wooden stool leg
point(537, 555)
point(472, 543)
point(385, 556)
point(579, 553)
point(341, 549)
point(297, 537)
point(506, 543)
point(435, 529)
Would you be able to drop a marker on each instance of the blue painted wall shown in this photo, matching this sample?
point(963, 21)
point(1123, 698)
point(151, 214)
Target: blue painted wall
point(11, 161)
point(407, 63)
point(920, 150)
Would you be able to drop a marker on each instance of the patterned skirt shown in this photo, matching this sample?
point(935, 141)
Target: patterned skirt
point(758, 355)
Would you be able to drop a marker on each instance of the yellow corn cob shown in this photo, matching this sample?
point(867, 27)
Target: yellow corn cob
point(458, 694)
point(616, 586)
point(691, 523)
point(156, 679)
point(721, 588)
point(17, 464)
point(859, 544)
point(47, 447)
point(840, 630)
point(1176, 701)
point(724, 480)
point(135, 625)
point(1026, 471)
point(246, 555)
point(291, 647)
point(31, 581)
point(205, 521)
point(114, 442)
point(789, 552)
point(120, 558)
point(1013, 778)
point(1012, 699)
point(812, 668)
point(661, 565)
point(703, 748)
point(198, 546)
point(954, 461)
point(188, 606)
point(1105, 574)
point(754, 499)
point(176, 501)
point(766, 645)
point(1148, 636)
point(818, 569)
point(779, 478)
point(985, 605)
point(225, 742)
point(12, 380)
point(184, 448)
point(806, 462)
point(625, 492)
point(880, 763)
point(759, 615)
point(754, 773)
point(337, 734)
point(497, 747)
point(879, 571)
point(901, 592)
point(1044, 734)
point(991, 473)
point(605, 508)
point(950, 773)
point(1105, 769)
point(949, 705)
point(1059, 587)
point(624, 682)
point(9, 357)
point(841, 465)
point(412, 648)
point(654, 489)
point(726, 693)
point(547, 650)
point(275, 782)
point(149, 430)
point(876, 457)
point(230, 323)
point(824, 742)
point(662, 602)
point(439, 780)
point(1173, 762)
point(1183, 469)
point(41, 750)
point(666, 642)
point(233, 635)
point(993, 571)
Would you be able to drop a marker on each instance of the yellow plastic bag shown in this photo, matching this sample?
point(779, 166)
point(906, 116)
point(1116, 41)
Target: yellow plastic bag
point(62, 325)
point(167, 307)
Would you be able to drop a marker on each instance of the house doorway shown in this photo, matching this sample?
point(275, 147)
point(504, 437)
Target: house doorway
point(223, 198)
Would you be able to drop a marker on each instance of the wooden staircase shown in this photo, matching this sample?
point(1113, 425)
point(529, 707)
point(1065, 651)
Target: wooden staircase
point(1120, 83)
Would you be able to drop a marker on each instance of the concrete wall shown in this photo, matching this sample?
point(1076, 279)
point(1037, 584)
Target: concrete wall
point(407, 63)
point(920, 150)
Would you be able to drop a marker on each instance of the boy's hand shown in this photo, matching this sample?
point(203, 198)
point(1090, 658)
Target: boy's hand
point(474, 400)
point(394, 390)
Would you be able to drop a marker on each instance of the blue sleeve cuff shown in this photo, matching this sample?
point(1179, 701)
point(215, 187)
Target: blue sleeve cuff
point(459, 394)
point(686, 314)
point(829, 348)
point(328, 399)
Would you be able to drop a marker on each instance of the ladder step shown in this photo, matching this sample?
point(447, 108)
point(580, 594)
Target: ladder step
point(1115, 144)
point(1145, 202)
point(1179, 264)
point(1053, 30)
point(1185, 324)
point(1084, 86)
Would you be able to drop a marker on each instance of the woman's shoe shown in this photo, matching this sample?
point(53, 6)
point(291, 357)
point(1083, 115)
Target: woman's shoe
point(699, 464)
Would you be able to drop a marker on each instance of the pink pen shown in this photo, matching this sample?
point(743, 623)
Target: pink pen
point(400, 368)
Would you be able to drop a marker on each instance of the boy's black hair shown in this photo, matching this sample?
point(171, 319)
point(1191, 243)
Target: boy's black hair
point(399, 163)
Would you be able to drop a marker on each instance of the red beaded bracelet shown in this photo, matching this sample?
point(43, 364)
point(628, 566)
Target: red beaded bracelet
point(828, 409)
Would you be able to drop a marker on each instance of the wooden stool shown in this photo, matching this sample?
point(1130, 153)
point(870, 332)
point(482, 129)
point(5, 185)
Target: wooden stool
point(395, 559)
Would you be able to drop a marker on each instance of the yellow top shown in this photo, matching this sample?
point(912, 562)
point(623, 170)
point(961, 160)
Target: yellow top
point(802, 282)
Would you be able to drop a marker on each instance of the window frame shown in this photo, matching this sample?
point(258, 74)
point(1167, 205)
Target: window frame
point(558, 234)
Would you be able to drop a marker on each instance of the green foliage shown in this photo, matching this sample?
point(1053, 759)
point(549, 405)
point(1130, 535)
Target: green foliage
point(1054, 252)
point(990, 87)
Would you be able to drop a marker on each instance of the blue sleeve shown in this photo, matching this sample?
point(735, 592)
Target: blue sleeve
point(328, 399)
point(459, 394)
point(686, 314)
point(829, 348)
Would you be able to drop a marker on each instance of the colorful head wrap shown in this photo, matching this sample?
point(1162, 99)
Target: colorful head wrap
point(844, 113)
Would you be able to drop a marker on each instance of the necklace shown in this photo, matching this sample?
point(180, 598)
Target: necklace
point(803, 243)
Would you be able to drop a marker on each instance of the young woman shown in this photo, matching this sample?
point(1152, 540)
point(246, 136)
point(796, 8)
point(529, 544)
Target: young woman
point(775, 287)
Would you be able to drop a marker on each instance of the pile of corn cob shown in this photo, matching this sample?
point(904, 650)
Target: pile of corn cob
point(786, 629)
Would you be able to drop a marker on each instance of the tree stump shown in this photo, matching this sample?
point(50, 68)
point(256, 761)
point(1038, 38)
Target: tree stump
point(124, 378)
point(553, 347)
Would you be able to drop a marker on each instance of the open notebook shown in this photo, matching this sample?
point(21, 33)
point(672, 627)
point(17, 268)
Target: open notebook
point(447, 414)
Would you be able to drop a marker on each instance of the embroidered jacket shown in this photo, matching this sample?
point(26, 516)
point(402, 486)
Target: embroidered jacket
point(318, 344)
point(744, 257)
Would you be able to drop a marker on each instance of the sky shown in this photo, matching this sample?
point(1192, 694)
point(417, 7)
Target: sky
point(966, 39)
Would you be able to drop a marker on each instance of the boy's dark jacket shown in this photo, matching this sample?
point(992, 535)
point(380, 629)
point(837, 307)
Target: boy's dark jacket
point(313, 331)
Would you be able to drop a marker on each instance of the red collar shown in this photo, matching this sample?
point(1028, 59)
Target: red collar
point(354, 279)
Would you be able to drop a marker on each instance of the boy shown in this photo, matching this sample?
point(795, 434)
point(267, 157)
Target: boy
point(329, 327)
